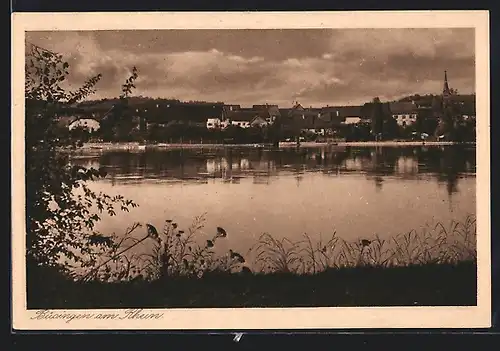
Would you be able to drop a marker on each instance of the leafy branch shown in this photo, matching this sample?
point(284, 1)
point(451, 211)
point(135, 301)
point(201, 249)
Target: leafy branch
point(61, 208)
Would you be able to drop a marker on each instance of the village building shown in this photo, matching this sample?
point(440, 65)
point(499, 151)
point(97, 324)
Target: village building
point(269, 112)
point(240, 123)
point(352, 120)
point(308, 122)
point(260, 121)
point(405, 113)
point(165, 113)
point(285, 112)
point(89, 124)
point(214, 123)
point(351, 114)
point(225, 123)
point(65, 121)
point(241, 118)
point(320, 127)
point(256, 116)
point(318, 121)
point(305, 120)
point(469, 110)
point(339, 115)
point(228, 109)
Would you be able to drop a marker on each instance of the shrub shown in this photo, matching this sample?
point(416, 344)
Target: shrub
point(171, 253)
point(60, 223)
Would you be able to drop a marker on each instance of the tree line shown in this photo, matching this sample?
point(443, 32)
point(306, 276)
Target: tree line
point(122, 124)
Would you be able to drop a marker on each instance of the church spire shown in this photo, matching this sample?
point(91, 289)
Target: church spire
point(446, 88)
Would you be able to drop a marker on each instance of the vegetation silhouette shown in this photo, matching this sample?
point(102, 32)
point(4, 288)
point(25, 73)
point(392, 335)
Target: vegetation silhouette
point(71, 265)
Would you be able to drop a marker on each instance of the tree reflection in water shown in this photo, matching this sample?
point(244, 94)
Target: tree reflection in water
point(445, 164)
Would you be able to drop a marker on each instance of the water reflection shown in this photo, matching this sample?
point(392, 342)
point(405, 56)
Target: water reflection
point(444, 164)
point(356, 192)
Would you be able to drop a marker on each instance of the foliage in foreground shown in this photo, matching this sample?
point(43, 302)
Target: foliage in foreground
point(61, 209)
point(431, 245)
point(181, 253)
point(169, 253)
point(435, 267)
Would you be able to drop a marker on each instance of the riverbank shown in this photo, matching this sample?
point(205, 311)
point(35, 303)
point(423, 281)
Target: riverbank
point(419, 269)
point(389, 143)
point(418, 285)
point(137, 147)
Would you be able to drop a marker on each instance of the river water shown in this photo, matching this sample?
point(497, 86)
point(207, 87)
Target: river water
point(358, 192)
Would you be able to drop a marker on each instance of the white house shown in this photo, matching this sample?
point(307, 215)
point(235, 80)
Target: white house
point(352, 120)
point(259, 121)
point(241, 124)
point(225, 123)
point(405, 119)
point(89, 124)
point(405, 113)
point(242, 118)
point(343, 114)
point(213, 123)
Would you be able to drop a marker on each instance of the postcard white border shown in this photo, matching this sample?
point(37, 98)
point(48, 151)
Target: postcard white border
point(259, 318)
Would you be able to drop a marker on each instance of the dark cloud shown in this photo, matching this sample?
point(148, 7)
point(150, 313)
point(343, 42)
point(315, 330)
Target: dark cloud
point(324, 66)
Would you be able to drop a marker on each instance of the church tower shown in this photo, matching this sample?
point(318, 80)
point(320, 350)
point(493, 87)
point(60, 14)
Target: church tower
point(447, 120)
point(446, 90)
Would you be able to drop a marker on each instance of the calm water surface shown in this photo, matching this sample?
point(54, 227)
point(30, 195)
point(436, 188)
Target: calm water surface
point(357, 192)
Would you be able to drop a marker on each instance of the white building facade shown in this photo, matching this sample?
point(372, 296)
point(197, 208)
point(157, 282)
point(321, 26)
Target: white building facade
point(213, 123)
point(406, 119)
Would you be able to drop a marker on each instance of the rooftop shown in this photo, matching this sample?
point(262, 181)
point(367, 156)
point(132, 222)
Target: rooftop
point(242, 115)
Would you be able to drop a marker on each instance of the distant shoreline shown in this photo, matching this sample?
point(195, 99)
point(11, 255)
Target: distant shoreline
point(390, 143)
point(134, 146)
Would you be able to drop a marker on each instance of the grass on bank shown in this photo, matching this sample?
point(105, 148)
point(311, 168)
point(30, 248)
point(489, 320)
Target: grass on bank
point(419, 285)
point(434, 266)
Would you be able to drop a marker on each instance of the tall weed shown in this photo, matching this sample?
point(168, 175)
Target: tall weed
point(176, 252)
point(431, 245)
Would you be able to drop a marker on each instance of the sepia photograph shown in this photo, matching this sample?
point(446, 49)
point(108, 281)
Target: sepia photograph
point(247, 165)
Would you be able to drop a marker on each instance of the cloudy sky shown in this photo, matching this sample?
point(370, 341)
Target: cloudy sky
point(313, 66)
